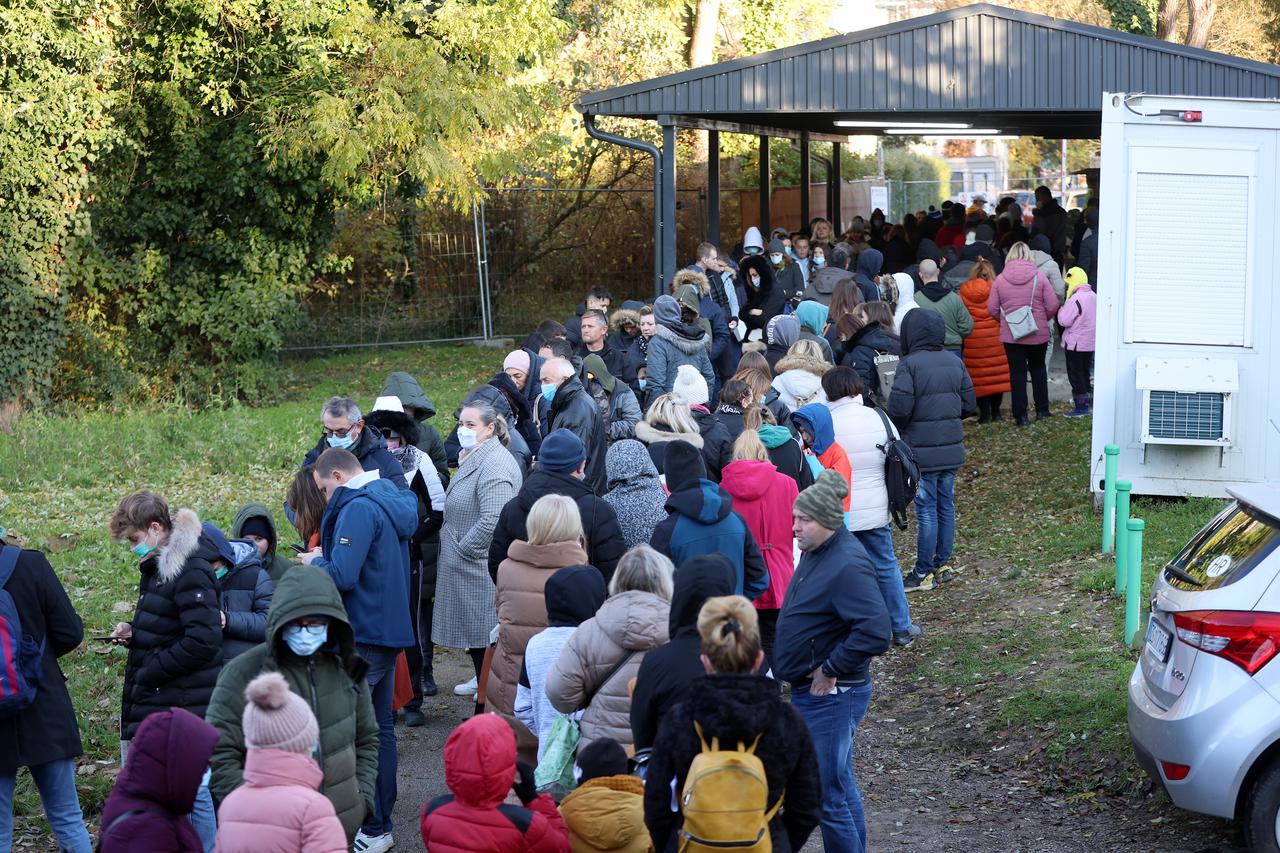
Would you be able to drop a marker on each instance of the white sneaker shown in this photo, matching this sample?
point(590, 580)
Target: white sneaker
point(469, 688)
point(372, 843)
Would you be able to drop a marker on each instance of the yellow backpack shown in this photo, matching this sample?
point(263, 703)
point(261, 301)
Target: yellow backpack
point(725, 802)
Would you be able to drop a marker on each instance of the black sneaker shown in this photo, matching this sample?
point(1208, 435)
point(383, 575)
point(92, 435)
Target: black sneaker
point(911, 582)
point(944, 575)
point(429, 687)
point(907, 637)
point(414, 719)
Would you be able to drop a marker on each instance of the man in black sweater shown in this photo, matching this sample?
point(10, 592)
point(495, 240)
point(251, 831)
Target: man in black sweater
point(833, 622)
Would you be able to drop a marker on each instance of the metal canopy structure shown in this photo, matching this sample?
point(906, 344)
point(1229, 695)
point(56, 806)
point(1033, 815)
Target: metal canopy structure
point(982, 65)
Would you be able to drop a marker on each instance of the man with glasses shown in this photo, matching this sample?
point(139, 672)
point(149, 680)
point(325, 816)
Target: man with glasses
point(345, 429)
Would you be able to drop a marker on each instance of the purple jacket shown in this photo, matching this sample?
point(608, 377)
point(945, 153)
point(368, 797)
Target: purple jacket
point(1079, 320)
point(1012, 290)
point(167, 759)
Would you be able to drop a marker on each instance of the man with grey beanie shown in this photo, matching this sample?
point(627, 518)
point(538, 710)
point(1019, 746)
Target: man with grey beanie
point(833, 622)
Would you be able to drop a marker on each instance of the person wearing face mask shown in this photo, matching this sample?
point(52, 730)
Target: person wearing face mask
point(418, 405)
point(345, 429)
point(573, 409)
point(310, 642)
point(786, 272)
point(175, 636)
point(364, 546)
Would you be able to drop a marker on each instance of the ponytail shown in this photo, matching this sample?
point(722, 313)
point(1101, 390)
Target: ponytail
point(730, 632)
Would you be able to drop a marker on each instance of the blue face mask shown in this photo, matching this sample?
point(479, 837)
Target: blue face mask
point(819, 262)
point(142, 550)
point(643, 383)
point(549, 390)
point(342, 442)
point(305, 641)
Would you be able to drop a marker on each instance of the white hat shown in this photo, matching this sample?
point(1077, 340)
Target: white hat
point(690, 386)
point(388, 404)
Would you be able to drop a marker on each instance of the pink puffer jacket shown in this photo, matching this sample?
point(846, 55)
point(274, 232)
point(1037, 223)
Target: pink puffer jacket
point(1012, 290)
point(1079, 319)
point(278, 809)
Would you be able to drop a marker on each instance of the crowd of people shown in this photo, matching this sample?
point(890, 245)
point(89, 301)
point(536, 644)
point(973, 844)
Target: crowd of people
point(661, 533)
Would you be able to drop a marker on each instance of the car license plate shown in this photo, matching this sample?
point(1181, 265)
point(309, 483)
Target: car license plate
point(1158, 641)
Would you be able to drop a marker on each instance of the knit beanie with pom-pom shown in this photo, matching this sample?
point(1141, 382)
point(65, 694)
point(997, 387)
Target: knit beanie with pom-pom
point(277, 718)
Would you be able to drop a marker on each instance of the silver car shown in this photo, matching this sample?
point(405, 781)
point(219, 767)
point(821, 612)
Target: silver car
point(1204, 700)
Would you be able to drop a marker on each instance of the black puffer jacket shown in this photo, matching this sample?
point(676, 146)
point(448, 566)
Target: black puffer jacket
point(244, 593)
point(573, 409)
point(862, 349)
point(176, 651)
point(932, 392)
point(768, 298)
point(599, 522)
point(717, 444)
point(736, 708)
point(666, 672)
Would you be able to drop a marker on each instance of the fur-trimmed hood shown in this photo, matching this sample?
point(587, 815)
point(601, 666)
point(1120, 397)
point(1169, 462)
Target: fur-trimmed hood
point(186, 539)
point(693, 277)
point(817, 366)
point(623, 315)
point(650, 434)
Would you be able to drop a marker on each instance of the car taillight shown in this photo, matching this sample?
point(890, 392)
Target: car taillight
point(1174, 772)
point(1247, 639)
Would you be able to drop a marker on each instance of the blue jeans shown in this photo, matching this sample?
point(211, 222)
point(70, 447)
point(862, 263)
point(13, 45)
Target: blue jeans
point(935, 521)
point(382, 690)
point(833, 722)
point(57, 783)
point(203, 818)
point(879, 545)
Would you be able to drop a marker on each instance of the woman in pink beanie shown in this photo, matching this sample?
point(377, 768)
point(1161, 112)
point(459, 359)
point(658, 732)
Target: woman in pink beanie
point(278, 809)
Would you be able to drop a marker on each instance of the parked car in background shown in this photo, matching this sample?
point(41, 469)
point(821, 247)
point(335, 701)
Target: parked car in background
point(1204, 699)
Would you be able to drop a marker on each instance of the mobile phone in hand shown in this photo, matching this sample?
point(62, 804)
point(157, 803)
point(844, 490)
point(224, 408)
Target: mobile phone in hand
point(298, 547)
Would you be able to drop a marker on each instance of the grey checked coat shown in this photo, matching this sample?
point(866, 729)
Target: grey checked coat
point(464, 613)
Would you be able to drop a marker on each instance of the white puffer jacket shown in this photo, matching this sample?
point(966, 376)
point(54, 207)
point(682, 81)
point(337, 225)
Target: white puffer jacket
point(858, 430)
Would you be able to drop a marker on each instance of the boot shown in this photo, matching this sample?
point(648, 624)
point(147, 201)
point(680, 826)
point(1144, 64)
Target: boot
point(1082, 406)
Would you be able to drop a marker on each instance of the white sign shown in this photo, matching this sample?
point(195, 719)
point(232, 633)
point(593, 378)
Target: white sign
point(880, 199)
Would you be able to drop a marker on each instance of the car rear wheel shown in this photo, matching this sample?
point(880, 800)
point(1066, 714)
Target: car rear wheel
point(1262, 812)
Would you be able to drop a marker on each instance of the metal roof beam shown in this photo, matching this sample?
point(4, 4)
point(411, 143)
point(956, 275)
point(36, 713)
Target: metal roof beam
point(753, 129)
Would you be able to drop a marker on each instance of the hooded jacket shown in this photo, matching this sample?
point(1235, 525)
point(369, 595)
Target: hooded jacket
point(935, 297)
point(767, 299)
point(785, 452)
point(753, 239)
point(813, 321)
point(664, 677)
point(780, 333)
point(619, 406)
point(930, 395)
point(906, 299)
point(700, 520)
point(522, 415)
point(522, 613)
point(573, 409)
point(167, 759)
point(787, 278)
point(798, 380)
point(867, 270)
point(278, 809)
point(673, 344)
point(406, 389)
point(1078, 319)
point(607, 814)
point(834, 615)
point(861, 351)
point(332, 681)
point(605, 545)
point(635, 492)
point(1012, 290)
point(628, 625)
point(658, 439)
point(364, 539)
point(371, 449)
point(984, 355)
point(817, 418)
point(861, 432)
point(822, 284)
point(764, 498)
point(176, 650)
point(735, 709)
point(244, 593)
point(276, 563)
point(717, 445)
point(479, 768)
point(572, 595)
point(709, 310)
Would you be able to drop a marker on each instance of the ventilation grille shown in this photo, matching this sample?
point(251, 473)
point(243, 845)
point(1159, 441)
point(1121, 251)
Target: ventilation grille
point(1175, 417)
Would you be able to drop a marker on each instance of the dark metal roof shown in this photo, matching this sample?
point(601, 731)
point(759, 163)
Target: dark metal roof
point(983, 64)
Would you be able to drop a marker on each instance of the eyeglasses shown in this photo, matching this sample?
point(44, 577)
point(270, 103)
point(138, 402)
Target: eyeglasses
point(338, 433)
point(308, 621)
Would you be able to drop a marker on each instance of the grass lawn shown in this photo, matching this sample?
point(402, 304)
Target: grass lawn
point(1023, 510)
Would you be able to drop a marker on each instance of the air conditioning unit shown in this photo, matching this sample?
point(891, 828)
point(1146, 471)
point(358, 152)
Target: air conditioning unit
point(1187, 401)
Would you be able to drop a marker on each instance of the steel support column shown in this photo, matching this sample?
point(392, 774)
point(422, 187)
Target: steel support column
point(837, 186)
point(766, 189)
point(668, 203)
point(713, 187)
point(806, 177)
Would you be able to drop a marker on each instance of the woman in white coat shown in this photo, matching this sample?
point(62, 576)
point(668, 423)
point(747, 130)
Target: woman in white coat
point(862, 430)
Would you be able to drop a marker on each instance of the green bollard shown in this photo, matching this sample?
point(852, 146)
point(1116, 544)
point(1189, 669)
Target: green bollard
point(1133, 589)
point(1123, 487)
point(1112, 452)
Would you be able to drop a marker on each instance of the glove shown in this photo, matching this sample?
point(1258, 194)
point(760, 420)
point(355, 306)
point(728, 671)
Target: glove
point(524, 785)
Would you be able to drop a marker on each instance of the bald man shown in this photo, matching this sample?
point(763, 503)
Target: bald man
point(946, 303)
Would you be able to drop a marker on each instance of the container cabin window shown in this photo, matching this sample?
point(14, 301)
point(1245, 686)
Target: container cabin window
point(1191, 236)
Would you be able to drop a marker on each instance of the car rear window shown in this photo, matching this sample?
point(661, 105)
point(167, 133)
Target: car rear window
point(1226, 550)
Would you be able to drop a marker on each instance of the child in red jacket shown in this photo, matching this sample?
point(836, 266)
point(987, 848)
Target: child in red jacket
point(480, 768)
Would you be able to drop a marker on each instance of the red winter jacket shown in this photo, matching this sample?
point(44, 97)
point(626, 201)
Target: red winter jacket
point(764, 498)
point(479, 767)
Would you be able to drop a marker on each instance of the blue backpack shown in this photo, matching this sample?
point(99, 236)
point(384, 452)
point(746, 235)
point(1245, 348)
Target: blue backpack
point(21, 657)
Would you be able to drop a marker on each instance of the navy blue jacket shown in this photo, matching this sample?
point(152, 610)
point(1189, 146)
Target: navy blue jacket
point(833, 613)
point(931, 393)
point(869, 264)
point(364, 538)
point(701, 521)
point(371, 450)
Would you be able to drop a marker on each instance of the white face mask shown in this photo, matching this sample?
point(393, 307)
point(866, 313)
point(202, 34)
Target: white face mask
point(466, 437)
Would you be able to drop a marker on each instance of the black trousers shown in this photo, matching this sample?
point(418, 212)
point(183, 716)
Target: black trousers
point(419, 655)
point(989, 406)
point(768, 621)
point(1079, 366)
point(1024, 358)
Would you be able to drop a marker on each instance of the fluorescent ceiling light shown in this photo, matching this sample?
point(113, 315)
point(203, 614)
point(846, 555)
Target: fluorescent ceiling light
point(915, 131)
point(937, 125)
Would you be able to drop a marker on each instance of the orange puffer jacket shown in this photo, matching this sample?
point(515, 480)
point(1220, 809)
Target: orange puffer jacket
point(984, 356)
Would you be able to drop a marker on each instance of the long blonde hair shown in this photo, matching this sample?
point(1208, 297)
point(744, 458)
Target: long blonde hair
point(668, 412)
point(730, 632)
point(749, 446)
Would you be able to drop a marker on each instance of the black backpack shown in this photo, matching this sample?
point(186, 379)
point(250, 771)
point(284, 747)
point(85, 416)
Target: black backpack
point(901, 472)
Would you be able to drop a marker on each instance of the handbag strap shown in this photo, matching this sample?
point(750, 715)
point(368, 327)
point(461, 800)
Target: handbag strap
point(888, 428)
point(1034, 281)
point(608, 676)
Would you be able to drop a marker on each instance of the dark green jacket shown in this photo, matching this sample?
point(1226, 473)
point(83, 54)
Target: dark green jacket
point(333, 683)
point(276, 563)
point(410, 393)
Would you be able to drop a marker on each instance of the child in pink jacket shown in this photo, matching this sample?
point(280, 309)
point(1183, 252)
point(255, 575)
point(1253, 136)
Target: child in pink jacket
point(1078, 319)
point(279, 808)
